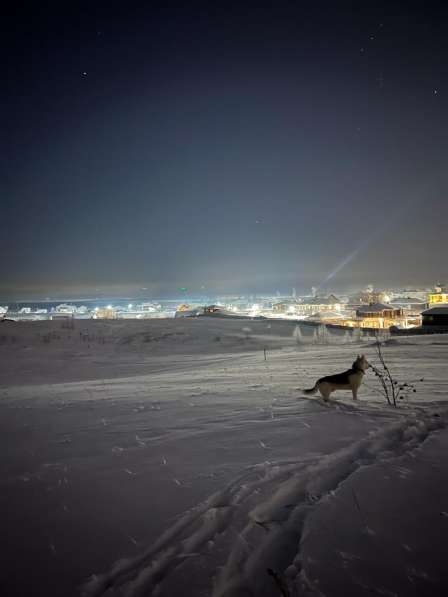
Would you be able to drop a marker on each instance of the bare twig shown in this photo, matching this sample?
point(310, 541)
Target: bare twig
point(279, 582)
point(390, 388)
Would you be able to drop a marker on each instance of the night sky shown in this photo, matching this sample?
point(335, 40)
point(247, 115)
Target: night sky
point(219, 146)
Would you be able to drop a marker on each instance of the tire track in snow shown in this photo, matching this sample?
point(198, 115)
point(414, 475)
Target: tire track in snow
point(272, 531)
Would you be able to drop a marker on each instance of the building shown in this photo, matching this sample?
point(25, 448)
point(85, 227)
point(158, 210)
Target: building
point(437, 317)
point(220, 311)
point(105, 313)
point(149, 307)
point(64, 308)
point(380, 315)
point(285, 307)
point(330, 317)
point(370, 296)
point(438, 297)
point(64, 317)
point(317, 304)
point(412, 306)
point(213, 310)
point(185, 310)
point(307, 306)
point(421, 294)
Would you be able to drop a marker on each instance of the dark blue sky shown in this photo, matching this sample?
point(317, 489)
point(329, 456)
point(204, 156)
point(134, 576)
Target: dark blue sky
point(240, 147)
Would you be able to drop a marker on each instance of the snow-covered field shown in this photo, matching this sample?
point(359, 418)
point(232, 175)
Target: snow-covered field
point(170, 458)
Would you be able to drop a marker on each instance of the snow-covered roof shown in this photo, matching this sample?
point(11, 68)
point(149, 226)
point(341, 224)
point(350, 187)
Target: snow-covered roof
point(436, 311)
point(408, 299)
point(375, 308)
point(322, 315)
point(320, 300)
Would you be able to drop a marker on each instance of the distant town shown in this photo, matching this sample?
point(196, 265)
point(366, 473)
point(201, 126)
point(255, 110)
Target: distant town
point(370, 308)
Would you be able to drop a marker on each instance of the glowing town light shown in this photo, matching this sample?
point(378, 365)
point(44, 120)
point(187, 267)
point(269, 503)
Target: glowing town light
point(254, 310)
point(130, 306)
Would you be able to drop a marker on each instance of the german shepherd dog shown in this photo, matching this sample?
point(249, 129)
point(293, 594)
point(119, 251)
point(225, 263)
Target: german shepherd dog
point(349, 380)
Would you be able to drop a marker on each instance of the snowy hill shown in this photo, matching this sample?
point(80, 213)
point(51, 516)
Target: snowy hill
point(170, 458)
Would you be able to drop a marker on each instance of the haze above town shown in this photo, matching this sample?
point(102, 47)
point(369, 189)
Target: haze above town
point(224, 148)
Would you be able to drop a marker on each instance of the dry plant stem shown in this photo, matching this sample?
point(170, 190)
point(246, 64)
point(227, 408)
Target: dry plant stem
point(279, 582)
point(390, 388)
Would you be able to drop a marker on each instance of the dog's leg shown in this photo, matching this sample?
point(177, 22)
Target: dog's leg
point(355, 393)
point(325, 391)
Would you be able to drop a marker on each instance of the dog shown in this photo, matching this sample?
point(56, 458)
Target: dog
point(349, 380)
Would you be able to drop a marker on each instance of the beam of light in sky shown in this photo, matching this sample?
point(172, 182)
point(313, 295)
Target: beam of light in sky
point(391, 219)
point(363, 245)
point(344, 262)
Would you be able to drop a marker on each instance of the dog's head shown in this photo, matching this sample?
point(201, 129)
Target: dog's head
point(361, 363)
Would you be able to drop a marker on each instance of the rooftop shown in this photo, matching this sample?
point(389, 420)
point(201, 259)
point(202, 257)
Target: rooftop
point(320, 300)
point(376, 308)
point(436, 311)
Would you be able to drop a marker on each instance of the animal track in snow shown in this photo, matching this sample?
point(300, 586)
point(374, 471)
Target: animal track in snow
point(267, 507)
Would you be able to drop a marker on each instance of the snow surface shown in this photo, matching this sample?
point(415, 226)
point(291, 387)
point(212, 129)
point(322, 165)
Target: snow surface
point(170, 458)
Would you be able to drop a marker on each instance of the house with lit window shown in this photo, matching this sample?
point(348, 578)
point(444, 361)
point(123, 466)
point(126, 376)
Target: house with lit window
point(438, 297)
point(105, 313)
point(286, 307)
point(381, 315)
point(185, 310)
point(318, 304)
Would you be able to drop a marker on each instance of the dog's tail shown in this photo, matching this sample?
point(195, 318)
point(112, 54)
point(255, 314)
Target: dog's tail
point(311, 390)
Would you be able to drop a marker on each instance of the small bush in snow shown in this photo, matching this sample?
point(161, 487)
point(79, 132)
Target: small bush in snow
point(390, 388)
